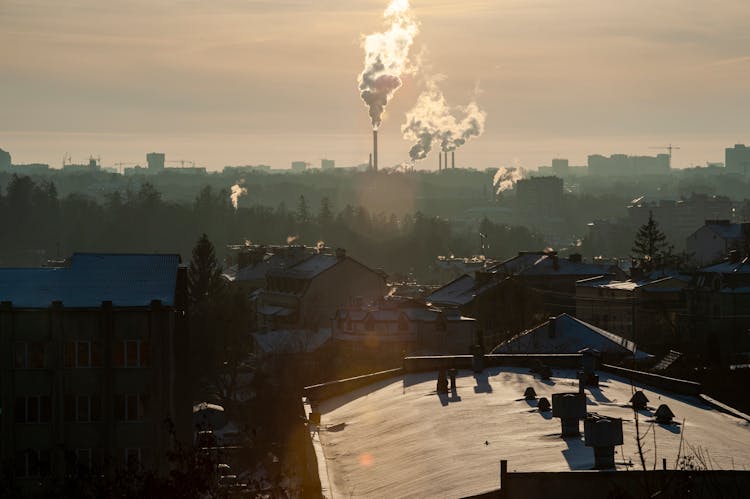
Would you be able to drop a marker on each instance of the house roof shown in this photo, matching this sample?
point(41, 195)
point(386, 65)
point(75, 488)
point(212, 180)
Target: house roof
point(460, 291)
point(127, 280)
point(541, 263)
point(397, 438)
point(571, 335)
point(649, 284)
point(742, 267)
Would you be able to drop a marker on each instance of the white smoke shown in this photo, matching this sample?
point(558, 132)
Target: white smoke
point(432, 119)
point(506, 177)
point(426, 121)
point(237, 191)
point(386, 59)
point(291, 239)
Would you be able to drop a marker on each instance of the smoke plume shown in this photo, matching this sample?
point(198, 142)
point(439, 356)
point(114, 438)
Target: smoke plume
point(432, 120)
point(386, 59)
point(291, 239)
point(237, 191)
point(506, 178)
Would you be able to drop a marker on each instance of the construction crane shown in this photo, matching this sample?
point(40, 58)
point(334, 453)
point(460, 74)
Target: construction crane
point(669, 149)
point(181, 162)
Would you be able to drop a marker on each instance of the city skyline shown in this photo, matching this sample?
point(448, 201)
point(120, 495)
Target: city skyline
point(272, 82)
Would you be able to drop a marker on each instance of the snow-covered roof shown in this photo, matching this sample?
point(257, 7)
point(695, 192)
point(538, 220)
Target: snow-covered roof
point(540, 263)
point(286, 341)
point(570, 336)
point(650, 284)
point(398, 438)
point(312, 266)
point(742, 267)
point(127, 280)
point(460, 291)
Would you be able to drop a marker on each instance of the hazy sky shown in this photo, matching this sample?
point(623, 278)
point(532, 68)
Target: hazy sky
point(271, 81)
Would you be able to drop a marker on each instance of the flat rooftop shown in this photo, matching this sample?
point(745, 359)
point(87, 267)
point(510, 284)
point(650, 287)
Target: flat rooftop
point(398, 438)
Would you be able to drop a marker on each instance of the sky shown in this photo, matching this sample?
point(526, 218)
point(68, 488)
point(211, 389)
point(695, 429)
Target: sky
point(234, 82)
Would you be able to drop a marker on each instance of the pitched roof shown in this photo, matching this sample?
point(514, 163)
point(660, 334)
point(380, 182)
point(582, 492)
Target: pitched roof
point(570, 336)
point(460, 291)
point(127, 280)
point(540, 263)
point(726, 230)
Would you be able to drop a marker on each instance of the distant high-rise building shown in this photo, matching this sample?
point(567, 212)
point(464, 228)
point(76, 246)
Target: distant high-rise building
point(624, 165)
point(4, 159)
point(737, 159)
point(560, 167)
point(155, 160)
point(539, 197)
point(299, 166)
point(327, 164)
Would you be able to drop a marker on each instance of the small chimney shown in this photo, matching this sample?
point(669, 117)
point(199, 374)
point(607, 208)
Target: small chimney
point(570, 408)
point(575, 258)
point(543, 405)
point(340, 253)
point(552, 327)
point(555, 262)
point(639, 400)
point(664, 414)
point(603, 434)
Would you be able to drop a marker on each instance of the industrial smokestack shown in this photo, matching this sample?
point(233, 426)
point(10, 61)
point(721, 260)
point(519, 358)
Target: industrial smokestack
point(453, 159)
point(440, 162)
point(374, 150)
point(369, 165)
point(445, 161)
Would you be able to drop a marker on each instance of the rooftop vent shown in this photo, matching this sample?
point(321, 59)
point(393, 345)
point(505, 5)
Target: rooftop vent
point(529, 394)
point(664, 414)
point(340, 253)
point(543, 405)
point(603, 434)
point(570, 408)
point(639, 400)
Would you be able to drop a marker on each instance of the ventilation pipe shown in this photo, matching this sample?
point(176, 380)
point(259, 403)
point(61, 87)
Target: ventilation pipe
point(603, 434)
point(570, 408)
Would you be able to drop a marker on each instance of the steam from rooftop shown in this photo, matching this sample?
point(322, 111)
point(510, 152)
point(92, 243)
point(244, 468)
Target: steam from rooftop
point(506, 177)
point(386, 59)
point(237, 191)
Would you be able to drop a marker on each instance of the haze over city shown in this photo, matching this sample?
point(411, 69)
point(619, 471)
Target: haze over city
point(261, 249)
point(246, 82)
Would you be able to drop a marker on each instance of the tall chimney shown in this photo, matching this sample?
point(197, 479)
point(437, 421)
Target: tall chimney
point(445, 161)
point(453, 159)
point(374, 150)
point(440, 161)
point(369, 165)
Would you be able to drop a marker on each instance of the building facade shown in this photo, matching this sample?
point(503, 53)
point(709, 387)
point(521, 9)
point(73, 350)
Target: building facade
point(93, 363)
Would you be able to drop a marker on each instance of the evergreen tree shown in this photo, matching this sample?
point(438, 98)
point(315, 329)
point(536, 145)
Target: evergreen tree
point(650, 247)
point(204, 274)
point(303, 212)
point(325, 216)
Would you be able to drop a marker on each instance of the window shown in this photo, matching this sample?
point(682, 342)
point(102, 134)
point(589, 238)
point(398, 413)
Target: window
point(82, 354)
point(33, 409)
point(28, 355)
point(32, 463)
point(83, 408)
point(131, 407)
point(132, 353)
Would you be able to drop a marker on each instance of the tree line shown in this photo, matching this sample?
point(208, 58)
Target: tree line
point(39, 225)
